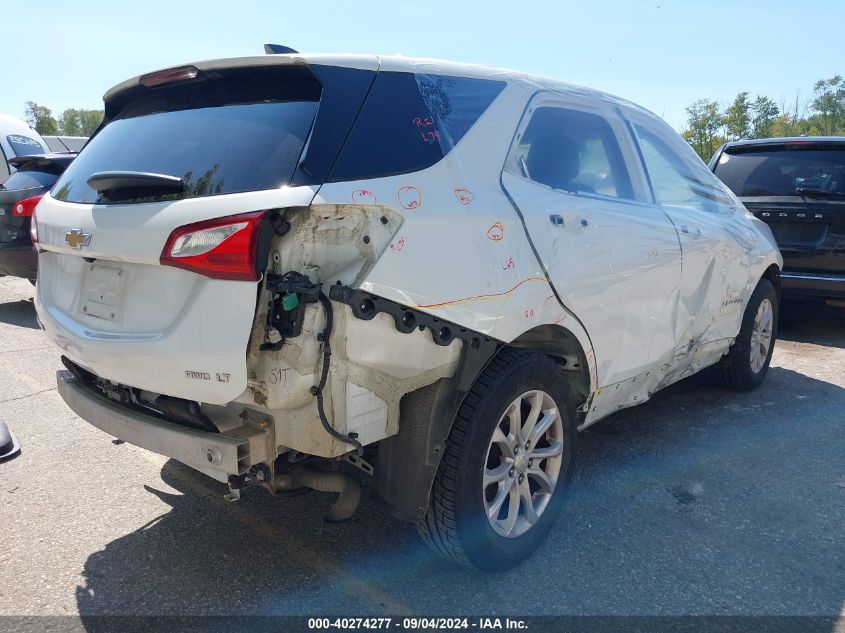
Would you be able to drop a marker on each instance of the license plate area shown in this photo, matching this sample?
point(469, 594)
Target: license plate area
point(102, 292)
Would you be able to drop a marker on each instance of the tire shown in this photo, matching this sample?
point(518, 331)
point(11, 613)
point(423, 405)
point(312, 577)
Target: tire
point(738, 370)
point(456, 523)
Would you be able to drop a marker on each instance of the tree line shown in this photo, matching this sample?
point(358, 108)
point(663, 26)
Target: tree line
point(71, 122)
point(709, 124)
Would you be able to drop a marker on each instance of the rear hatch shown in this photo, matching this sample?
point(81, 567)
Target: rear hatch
point(151, 242)
point(798, 188)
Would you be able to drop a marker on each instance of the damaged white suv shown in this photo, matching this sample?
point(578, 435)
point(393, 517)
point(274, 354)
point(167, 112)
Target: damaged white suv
point(296, 271)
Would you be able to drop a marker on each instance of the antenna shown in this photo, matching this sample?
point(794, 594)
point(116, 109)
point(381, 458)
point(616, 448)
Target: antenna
point(278, 49)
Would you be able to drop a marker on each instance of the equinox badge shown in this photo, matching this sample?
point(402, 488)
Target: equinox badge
point(75, 238)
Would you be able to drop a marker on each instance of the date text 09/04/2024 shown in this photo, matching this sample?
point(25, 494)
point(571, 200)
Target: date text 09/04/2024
point(416, 623)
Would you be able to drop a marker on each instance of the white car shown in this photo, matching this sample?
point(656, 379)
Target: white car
point(279, 270)
point(17, 138)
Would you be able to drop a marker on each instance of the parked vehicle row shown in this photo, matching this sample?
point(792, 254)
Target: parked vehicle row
point(28, 170)
point(797, 186)
point(277, 269)
point(19, 195)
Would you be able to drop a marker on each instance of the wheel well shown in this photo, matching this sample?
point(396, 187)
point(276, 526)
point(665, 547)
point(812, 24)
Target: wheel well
point(408, 461)
point(772, 273)
point(562, 346)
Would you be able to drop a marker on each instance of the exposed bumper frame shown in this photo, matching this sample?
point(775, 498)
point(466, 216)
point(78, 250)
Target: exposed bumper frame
point(198, 449)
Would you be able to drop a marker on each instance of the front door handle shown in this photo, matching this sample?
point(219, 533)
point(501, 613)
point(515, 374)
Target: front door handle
point(557, 220)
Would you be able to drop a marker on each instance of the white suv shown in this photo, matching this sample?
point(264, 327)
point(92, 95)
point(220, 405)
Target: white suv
point(281, 270)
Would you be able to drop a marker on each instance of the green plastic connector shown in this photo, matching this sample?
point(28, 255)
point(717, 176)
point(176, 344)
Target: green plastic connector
point(290, 301)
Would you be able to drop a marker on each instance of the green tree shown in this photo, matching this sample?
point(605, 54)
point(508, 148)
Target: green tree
point(704, 123)
point(89, 121)
point(80, 122)
point(69, 123)
point(738, 118)
point(829, 104)
point(785, 125)
point(762, 118)
point(764, 111)
point(41, 118)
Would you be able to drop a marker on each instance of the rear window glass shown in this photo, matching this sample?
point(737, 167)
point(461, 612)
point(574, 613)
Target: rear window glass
point(29, 179)
point(780, 171)
point(25, 146)
point(229, 133)
point(410, 121)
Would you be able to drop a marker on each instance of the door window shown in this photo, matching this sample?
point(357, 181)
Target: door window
point(674, 182)
point(572, 151)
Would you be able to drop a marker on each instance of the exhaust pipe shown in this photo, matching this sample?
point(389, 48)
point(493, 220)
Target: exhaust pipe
point(348, 487)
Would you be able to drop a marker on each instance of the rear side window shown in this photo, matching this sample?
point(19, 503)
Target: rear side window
point(25, 146)
point(783, 170)
point(674, 182)
point(410, 121)
point(232, 132)
point(30, 179)
point(572, 151)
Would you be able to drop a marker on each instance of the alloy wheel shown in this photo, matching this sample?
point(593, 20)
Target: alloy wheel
point(761, 335)
point(523, 463)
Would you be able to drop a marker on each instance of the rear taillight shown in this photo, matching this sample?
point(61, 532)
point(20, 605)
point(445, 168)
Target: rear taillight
point(24, 208)
point(223, 248)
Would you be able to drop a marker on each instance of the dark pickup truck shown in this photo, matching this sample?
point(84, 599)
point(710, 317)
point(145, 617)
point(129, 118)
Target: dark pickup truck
point(797, 186)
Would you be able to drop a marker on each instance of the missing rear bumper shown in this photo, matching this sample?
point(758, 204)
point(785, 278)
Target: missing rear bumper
point(212, 453)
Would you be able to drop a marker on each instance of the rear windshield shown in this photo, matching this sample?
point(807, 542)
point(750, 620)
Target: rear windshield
point(25, 146)
point(229, 133)
point(246, 129)
point(781, 170)
point(30, 178)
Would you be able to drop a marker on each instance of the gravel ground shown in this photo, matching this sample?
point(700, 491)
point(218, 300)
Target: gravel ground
point(702, 501)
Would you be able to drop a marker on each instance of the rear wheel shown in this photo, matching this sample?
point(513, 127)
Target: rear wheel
point(507, 463)
point(746, 364)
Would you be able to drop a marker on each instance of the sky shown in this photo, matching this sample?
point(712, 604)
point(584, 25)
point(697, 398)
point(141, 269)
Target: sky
point(661, 54)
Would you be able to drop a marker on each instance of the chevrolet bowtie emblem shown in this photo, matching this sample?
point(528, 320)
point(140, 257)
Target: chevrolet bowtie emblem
point(75, 238)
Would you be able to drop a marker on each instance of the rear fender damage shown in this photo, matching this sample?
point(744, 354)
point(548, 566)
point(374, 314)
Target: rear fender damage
point(372, 363)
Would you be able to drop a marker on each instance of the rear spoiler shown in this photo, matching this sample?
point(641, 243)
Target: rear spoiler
point(44, 160)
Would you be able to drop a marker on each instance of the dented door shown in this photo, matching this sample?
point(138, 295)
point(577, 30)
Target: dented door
point(613, 259)
point(714, 242)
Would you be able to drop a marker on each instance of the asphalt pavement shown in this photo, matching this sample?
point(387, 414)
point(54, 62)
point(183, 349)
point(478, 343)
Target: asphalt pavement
point(702, 501)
